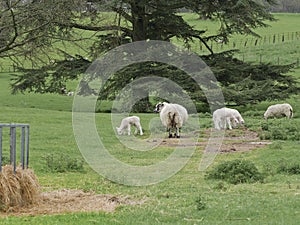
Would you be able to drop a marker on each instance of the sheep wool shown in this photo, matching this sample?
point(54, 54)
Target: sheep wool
point(226, 116)
point(279, 110)
point(172, 116)
point(126, 125)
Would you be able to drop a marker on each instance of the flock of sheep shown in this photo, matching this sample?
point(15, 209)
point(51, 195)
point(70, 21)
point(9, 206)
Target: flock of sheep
point(173, 116)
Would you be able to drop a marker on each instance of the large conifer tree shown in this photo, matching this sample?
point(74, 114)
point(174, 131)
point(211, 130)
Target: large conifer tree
point(101, 25)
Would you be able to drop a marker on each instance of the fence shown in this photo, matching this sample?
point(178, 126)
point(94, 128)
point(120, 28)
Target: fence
point(24, 143)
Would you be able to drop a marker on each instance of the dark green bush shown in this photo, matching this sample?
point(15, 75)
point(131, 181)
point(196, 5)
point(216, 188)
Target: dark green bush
point(235, 172)
point(62, 163)
point(289, 168)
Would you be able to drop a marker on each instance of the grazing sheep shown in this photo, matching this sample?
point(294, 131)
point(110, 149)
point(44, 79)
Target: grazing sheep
point(279, 110)
point(172, 116)
point(70, 93)
point(63, 91)
point(126, 124)
point(224, 116)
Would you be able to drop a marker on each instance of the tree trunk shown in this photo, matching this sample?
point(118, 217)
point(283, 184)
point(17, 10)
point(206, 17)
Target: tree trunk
point(139, 21)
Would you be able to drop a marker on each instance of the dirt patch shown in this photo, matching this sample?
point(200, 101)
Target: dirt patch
point(236, 140)
point(69, 201)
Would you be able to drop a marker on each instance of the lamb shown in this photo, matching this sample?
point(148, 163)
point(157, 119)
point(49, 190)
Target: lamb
point(126, 124)
point(224, 116)
point(172, 116)
point(279, 110)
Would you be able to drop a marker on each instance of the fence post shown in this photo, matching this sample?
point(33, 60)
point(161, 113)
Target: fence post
point(13, 147)
point(22, 146)
point(27, 147)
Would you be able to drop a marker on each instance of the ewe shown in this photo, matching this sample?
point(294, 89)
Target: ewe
point(224, 116)
point(172, 116)
point(279, 110)
point(126, 124)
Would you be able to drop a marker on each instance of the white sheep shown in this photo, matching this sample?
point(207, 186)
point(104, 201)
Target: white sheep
point(126, 124)
point(172, 116)
point(279, 110)
point(224, 116)
point(70, 93)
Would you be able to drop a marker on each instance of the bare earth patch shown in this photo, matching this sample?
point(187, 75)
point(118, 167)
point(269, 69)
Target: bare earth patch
point(69, 201)
point(236, 140)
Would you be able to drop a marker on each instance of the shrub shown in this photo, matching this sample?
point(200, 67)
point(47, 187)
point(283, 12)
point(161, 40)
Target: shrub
point(62, 163)
point(235, 172)
point(289, 168)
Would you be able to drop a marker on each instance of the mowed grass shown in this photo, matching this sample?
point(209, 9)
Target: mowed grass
point(173, 201)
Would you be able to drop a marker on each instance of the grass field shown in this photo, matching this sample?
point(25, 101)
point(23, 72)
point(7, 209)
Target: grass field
point(185, 198)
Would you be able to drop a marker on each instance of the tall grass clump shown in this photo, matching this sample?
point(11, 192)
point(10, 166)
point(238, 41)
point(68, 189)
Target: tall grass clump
point(61, 163)
point(17, 190)
point(236, 172)
point(280, 129)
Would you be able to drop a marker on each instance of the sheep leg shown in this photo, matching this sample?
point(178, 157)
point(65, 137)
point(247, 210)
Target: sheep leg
point(170, 133)
point(177, 132)
point(229, 123)
point(128, 129)
point(141, 130)
point(138, 127)
point(217, 123)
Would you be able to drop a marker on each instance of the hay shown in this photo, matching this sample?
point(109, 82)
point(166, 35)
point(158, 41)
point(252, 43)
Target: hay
point(17, 190)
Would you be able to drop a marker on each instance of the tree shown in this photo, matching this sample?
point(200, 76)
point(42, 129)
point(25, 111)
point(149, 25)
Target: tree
point(65, 23)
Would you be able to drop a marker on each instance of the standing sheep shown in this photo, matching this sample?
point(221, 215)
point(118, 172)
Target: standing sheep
point(126, 124)
point(224, 116)
point(172, 116)
point(279, 110)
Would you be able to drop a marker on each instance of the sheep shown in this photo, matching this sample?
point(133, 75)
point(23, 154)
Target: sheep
point(126, 124)
point(70, 93)
point(224, 116)
point(279, 110)
point(63, 91)
point(172, 116)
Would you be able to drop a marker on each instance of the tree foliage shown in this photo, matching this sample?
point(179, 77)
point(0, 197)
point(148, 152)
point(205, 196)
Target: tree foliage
point(40, 37)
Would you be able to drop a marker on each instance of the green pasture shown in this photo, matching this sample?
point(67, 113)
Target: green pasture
point(174, 201)
point(257, 49)
point(185, 198)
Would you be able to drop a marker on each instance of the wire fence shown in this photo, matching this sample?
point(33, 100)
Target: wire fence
point(283, 48)
point(251, 49)
point(240, 43)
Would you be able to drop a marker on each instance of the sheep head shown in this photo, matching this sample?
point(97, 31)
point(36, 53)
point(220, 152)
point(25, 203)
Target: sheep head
point(159, 107)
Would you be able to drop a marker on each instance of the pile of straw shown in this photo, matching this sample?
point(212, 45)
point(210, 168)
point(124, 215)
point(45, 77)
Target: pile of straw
point(17, 190)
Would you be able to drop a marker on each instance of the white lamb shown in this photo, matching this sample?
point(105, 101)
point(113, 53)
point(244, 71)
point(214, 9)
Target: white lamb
point(172, 116)
point(126, 124)
point(279, 110)
point(224, 116)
